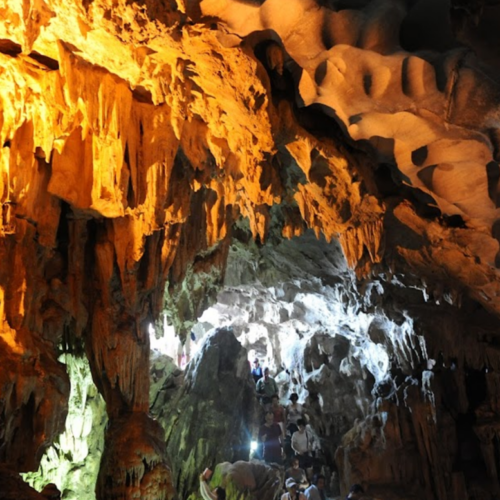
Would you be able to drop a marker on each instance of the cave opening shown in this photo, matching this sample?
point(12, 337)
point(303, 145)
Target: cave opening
point(297, 307)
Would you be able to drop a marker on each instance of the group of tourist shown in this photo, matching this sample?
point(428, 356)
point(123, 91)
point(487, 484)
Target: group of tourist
point(316, 491)
point(285, 433)
point(281, 422)
point(296, 482)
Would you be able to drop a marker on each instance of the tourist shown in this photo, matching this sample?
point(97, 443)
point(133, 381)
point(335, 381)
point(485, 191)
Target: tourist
point(302, 445)
point(293, 492)
point(266, 388)
point(294, 411)
point(256, 370)
point(207, 494)
point(317, 490)
point(270, 440)
point(297, 474)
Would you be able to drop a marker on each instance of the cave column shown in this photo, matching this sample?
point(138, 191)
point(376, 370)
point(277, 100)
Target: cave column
point(134, 463)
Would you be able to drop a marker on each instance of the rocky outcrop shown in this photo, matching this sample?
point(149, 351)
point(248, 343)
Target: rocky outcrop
point(248, 480)
point(107, 180)
point(432, 427)
point(396, 374)
point(134, 462)
point(33, 406)
point(429, 113)
point(213, 415)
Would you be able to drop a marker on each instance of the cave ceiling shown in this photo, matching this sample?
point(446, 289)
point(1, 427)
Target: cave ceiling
point(137, 136)
point(350, 121)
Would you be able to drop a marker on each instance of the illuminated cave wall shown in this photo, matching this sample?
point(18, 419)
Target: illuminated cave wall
point(134, 135)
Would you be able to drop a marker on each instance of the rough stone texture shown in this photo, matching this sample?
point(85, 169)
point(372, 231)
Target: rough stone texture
point(413, 372)
point(166, 378)
point(249, 480)
point(429, 113)
point(296, 305)
point(33, 406)
point(134, 464)
point(212, 417)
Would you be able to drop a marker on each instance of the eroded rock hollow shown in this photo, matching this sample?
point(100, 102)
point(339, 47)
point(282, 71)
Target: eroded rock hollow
point(313, 182)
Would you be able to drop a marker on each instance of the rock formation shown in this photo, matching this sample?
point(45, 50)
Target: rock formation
point(244, 480)
point(139, 140)
point(399, 386)
point(213, 415)
point(72, 462)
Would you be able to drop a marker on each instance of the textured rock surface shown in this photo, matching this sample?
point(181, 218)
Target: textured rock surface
point(430, 115)
point(249, 480)
point(414, 375)
point(134, 463)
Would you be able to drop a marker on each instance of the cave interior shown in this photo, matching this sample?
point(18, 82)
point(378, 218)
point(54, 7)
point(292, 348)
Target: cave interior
point(186, 185)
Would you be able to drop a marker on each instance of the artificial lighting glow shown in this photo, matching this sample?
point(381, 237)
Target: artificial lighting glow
point(254, 445)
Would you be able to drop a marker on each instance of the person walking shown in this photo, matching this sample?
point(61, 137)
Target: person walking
point(257, 373)
point(317, 490)
point(297, 474)
point(294, 411)
point(302, 445)
point(266, 388)
point(270, 440)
